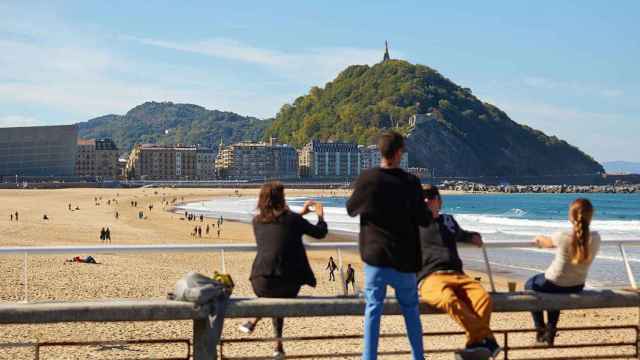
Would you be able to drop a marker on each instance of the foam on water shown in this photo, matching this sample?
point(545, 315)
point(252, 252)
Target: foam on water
point(497, 218)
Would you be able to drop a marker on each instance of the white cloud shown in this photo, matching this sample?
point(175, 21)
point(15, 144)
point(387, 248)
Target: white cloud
point(310, 65)
point(18, 120)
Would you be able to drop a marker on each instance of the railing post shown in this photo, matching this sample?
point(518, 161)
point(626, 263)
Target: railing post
point(26, 277)
point(632, 279)
point(343, 285)
point(204, 348)
point(488, 265)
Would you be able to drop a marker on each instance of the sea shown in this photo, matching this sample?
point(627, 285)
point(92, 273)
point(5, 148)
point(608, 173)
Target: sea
point(498, 217)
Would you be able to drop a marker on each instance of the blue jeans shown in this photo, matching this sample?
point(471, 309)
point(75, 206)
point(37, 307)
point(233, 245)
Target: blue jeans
point(376, 280)
point(541, 284)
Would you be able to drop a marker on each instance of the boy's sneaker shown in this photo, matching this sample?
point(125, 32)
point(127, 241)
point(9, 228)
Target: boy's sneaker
point(247, 327)
point(492, 345)
point(473, 353)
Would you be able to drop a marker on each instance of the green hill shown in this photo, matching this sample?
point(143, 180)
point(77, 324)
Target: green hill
point(169, 123)
point(463, 136)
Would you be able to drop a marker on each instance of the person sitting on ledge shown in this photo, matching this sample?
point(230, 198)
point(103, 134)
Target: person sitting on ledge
point(281, 266)
point(567, 274)
point(445, 286)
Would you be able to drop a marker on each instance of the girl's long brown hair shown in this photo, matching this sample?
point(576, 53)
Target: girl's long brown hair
point(271, 202)
point(581, 212)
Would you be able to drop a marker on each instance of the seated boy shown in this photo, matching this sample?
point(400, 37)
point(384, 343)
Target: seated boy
point(444, 285)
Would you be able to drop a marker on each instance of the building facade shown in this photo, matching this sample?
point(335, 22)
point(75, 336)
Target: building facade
point(248, 160)
point(38, 151)
point(205, 163)
point(158, 162)
point(97, 157)
point(329, 160)
point(370, 157)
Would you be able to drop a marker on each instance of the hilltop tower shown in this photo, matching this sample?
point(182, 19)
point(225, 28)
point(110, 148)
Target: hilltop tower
point(386, 52)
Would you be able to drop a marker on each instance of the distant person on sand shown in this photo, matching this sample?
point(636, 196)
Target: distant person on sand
point(16, 216)
point(45, 217)
point(207, 230)
point(102, 234)
point(444, 285)
point(281, 266)
point(117, 215)
point(331, 266)
point(107, 235)
point(391, 206)
point(218, 233)
point(199, 231)
point(351, 279)
point(11, 216)
point(567, 274)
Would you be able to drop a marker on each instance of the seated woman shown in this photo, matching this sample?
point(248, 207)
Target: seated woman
point(281, 266)
point(567, 274)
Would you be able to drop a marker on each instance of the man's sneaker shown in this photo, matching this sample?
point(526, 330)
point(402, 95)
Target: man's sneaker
point(278, 355)
point(473, 353)
point(492, 345)
point(247, 327)
point(550, 336)
point(540, 335)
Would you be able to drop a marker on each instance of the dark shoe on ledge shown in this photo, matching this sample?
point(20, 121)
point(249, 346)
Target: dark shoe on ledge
point(473, 353)
point(550, 337)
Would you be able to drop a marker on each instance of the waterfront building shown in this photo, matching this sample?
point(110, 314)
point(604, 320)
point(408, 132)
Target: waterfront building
point(370, 157)
point(329, 160)
point(205, 163)
point(160, 162)
point(98, 158)
point(40, 151)
point(251, 160)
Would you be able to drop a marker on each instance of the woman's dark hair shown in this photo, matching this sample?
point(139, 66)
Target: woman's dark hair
point(389, 143)
point(431, 192)
point(270, 201)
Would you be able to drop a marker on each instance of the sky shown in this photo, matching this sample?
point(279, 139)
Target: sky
point(568, 68)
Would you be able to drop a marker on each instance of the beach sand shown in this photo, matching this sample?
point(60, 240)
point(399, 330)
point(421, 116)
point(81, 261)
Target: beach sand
point(153, 275)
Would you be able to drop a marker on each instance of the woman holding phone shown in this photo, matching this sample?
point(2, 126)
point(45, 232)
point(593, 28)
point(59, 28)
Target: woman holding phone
point(281, 266)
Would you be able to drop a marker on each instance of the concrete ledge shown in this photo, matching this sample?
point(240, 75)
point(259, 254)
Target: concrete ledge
point(160, 310)
point(99, 311)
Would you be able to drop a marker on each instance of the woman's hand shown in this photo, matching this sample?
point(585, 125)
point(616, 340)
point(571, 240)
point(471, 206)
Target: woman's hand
point(319, 209)
point(306, 208)
point(543, 242)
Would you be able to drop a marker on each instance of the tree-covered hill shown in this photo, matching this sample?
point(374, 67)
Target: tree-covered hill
point(169, 123)
point(463, 136)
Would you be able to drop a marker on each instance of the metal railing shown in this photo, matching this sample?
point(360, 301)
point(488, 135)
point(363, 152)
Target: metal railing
point(314, 246)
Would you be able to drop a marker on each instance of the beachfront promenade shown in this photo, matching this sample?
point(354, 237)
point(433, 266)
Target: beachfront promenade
point(207, 344)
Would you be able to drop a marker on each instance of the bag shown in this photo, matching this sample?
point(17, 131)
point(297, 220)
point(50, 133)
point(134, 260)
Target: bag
point(200, 289)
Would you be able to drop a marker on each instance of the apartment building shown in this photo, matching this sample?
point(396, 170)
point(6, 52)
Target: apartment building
point(98, 158)
point(160, 162)
point(329, 160)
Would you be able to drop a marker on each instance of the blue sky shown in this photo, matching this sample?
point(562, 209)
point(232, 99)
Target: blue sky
point(567, 68)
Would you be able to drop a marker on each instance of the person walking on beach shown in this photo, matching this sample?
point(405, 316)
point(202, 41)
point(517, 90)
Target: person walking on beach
point(281, 266)
point(16, 216)
point(332, 267)
point(200, 231)
point(11, 217)
point(107, 235)
point(206, 232)
point(351, 279)
point(218, 233)
point(567, 274)
point(391, 206)
point(102, 234)
point(444, 285)
point(117, 215)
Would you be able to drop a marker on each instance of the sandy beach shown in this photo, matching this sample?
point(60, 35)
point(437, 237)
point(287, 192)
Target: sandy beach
point(152, 276)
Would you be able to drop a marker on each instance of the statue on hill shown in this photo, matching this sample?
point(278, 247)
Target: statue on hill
point(386, 56)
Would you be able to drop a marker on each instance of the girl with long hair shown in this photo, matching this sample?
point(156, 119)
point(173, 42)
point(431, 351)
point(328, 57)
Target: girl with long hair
point(281, 266)
point(575, 251)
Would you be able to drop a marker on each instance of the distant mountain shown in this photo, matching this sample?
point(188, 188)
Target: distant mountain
point(170, 123)
point(463, 136)
point(622, 167)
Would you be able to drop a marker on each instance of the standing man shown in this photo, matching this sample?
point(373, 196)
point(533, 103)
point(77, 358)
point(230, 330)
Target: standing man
point(331, 266)
point(391, 206)
point(351, 279)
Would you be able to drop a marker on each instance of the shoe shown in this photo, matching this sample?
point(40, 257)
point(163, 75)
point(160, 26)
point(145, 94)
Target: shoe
point(492, 345)
point(247, 327)
point(278, 355)
point(473, 353)
point(550, 337)
point(540, 335)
